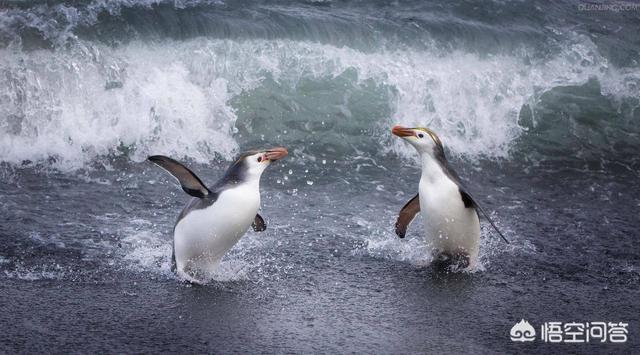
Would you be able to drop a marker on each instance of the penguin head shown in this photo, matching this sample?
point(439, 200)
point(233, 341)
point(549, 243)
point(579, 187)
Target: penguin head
point(256, 161)
point(423, 139)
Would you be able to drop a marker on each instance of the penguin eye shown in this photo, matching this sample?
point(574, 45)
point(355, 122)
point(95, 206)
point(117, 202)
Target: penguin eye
point(259, 159)
point(420, 135)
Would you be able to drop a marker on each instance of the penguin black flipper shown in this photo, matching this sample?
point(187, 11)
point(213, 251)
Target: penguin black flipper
point(259, 224)
point(173, 258)
point(407, 215)
point(467, 199)
point(190, 183)
point(469, 202)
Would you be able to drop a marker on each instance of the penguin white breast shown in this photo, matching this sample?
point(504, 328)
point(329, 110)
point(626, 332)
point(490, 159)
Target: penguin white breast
point(449, 225)
point(203, 236)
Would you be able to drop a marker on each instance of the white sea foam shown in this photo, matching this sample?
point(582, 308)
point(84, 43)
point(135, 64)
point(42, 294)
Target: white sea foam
point(146, 250)
point(37, 273)
point(175, 98)
point(58, 106)
point(414, 250)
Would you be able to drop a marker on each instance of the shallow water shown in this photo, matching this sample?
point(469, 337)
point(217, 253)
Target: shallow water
point(328, 275)
point(539, 117)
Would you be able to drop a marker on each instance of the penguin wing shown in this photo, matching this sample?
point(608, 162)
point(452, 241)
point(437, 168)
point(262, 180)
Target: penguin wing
point(190, 183)
point(467, 199)
point(259, 224)
point(407, 215)
point(469, 202)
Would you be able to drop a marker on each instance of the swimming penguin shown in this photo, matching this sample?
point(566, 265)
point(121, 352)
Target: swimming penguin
point(215, 218)
point(449, 211)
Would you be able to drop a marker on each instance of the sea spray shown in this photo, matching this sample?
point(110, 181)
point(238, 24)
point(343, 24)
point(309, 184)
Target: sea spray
point(186, 98)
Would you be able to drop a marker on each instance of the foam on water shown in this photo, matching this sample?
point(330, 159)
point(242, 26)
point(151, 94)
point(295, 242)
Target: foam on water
point(177, 98)
point(414, 250)
point(148, 253)
point(146, 250)
point(62, 107)
point(36, 273)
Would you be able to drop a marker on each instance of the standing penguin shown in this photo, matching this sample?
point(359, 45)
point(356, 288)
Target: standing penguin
point(215, 218)
point(449, 211)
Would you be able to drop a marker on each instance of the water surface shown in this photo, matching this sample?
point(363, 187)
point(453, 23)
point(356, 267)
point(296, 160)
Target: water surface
point(536, 103)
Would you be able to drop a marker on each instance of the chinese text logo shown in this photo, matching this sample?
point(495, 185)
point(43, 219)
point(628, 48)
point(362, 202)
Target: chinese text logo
point(572, 332)
point(523, 331)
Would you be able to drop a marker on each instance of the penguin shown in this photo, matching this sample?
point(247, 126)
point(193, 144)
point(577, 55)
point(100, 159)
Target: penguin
point(450, 212)
point(216, 217)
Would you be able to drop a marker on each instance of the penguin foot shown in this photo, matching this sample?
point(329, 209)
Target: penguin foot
point(188, 276)
point(449, 262)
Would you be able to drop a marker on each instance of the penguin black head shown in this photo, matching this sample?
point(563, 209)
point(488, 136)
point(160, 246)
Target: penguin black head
point(423, 139)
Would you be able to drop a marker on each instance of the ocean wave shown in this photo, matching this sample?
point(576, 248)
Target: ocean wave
point(45, 24)
point(206, 98)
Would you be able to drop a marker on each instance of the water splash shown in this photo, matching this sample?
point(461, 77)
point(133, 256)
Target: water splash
point(70, 107)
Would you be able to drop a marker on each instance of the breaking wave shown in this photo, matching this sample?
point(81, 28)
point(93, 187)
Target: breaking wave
point(78, 100)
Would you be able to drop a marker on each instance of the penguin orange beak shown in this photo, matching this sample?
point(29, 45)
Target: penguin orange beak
point(402, 132)
point(274, 154)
